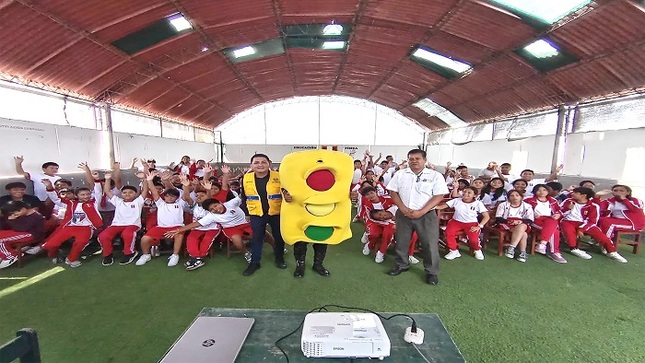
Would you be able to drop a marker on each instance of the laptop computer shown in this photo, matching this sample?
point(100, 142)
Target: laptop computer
point(210, 339)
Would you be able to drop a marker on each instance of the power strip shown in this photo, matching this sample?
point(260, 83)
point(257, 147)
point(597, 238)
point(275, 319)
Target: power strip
point(413, 338)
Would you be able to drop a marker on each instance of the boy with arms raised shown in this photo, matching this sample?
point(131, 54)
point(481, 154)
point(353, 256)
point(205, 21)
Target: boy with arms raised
point(126, 221)
point(170, 215)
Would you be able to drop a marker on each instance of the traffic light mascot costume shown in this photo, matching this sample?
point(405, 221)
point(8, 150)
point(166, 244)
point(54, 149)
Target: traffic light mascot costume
point(317, 206)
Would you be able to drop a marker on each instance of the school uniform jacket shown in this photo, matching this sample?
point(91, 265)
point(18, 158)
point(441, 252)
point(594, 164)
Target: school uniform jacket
point(88, 207)
point(634, 213)
point(590, 213)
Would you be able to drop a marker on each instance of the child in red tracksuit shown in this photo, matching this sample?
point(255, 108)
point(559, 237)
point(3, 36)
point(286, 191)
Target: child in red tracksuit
point(370, 200)
point(467, 209)
point(547, 213)
point(580, 216)
point(621, 212)
point(126, 221)
point(81, 219)
point(20, 223)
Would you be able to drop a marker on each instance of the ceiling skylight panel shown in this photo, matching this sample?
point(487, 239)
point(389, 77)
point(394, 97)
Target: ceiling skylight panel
point(179, 23)
point(546, 11)
point(542, 49)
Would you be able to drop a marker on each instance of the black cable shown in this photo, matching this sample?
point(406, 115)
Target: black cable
point(324, 308)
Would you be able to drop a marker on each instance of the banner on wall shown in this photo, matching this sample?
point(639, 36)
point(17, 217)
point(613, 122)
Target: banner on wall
point(304, 147)
point(351, 150)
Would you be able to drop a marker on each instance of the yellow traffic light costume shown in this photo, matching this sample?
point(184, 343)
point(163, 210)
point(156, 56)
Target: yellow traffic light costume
point(320, 210)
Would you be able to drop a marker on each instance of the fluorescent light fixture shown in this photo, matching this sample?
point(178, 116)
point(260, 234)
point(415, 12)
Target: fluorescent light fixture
point(441, 60)
point(548, 11)
point(333, 29)
point(334, 44)
point(179, 23)
point(434, 109)
point(542, 49)
point(243, 52)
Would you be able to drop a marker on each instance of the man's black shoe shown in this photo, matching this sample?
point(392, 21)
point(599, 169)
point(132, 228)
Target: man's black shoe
point(432, 279)
point(397, 270)
point(250, 270)
point(279, 262)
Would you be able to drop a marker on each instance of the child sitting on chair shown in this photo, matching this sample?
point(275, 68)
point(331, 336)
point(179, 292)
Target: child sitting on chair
point(467, 209)
point(515, 216)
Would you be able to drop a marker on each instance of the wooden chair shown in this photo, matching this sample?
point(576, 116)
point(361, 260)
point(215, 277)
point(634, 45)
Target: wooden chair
point(25, 347)
point(503, 237)
point(634, 239)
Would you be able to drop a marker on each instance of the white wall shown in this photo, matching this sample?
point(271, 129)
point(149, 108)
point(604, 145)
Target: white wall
point(533, 153)
point(39, 143)
point(237, 153)
point(164, 151)
point(68, 146)
point(610, 154)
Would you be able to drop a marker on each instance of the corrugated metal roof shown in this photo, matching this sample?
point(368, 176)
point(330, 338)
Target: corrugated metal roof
point(67, 45)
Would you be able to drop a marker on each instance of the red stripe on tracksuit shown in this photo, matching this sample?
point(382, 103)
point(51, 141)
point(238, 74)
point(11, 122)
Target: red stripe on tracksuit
point(128, 234)
point(7, 238)
point(610, 225)
point(454, 227)
point(199, 242)
point(549, 231)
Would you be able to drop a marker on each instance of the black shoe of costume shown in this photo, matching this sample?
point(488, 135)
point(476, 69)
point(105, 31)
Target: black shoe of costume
point(128, 259)
point(432, 279)
point(320, 269)
point(300, 270)
point(397, 270)
point(107, 260)
point(251, 268)
point(279, 262)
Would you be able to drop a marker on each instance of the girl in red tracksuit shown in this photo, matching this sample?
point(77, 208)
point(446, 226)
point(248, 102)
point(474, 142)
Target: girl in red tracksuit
point(516, 216)
point(621, 212)
point(467, 209)
point(81, 219)
point(375, 229)
point(546, 211)
point(580, 216)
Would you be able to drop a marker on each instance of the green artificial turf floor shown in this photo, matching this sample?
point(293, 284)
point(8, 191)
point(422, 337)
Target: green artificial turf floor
point(498, 310)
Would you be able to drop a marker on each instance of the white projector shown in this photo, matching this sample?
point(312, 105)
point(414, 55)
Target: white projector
point(344, 335)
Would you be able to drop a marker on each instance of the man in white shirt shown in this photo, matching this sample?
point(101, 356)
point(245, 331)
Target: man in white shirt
point(416, 191)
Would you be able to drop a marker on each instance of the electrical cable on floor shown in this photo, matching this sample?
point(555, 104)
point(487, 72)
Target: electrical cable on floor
point(421, 354)
point(324, 308)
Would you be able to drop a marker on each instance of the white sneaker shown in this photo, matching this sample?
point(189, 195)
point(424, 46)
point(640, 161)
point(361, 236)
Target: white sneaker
point(603, 250)
point(173, 260)
point(33, 250)
point(479, 255)
point(154, 251)
point(143, 259)
point(616, 256)
point(365, 239)
point(541, 249)
point(366, 249)
point(7, 263)
point(580, 253)
point(413, 260)
point(452, 255)
point(379, 257)
point(73, 264)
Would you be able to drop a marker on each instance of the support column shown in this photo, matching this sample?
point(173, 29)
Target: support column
point(110, 132)
point(559, 139)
